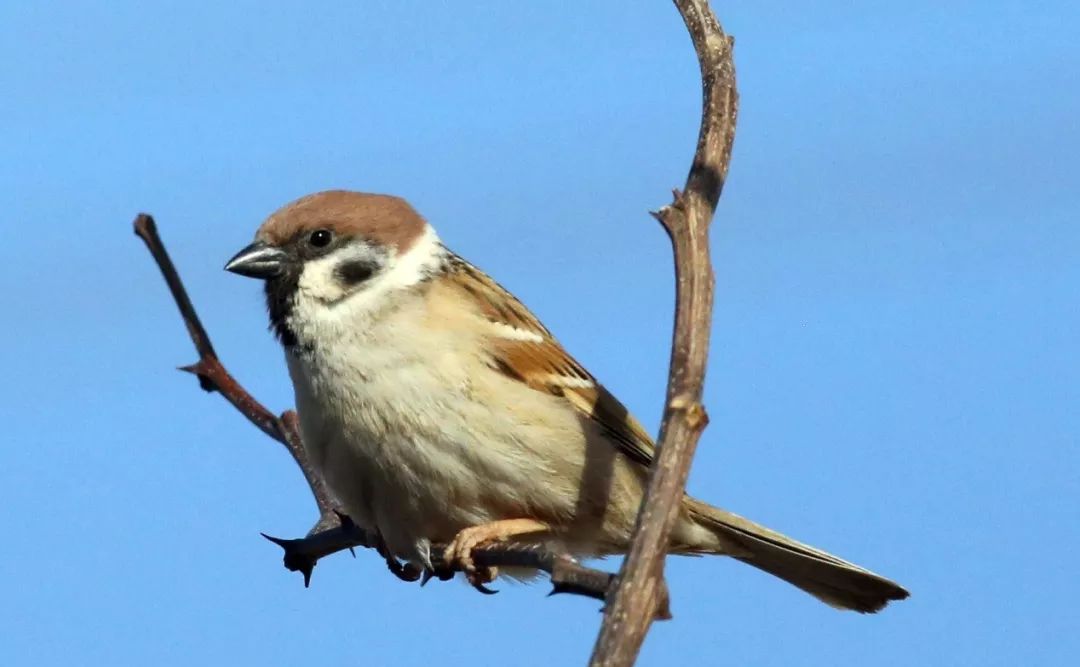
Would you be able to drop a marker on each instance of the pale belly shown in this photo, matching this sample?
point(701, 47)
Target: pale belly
point(420, 452)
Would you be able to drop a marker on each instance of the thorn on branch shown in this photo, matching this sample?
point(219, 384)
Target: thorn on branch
point(196, 369)
point(294, 559)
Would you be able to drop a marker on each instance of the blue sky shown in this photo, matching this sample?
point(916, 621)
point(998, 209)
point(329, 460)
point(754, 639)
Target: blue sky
point(894, 374)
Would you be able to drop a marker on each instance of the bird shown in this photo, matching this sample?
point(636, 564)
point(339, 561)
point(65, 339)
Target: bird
point(439, 410)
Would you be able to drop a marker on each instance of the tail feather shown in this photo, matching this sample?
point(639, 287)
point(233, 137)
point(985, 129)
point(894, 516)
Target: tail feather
point(835, 582)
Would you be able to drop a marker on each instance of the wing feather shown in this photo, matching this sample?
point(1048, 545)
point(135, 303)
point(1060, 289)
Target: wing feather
point(524, 349)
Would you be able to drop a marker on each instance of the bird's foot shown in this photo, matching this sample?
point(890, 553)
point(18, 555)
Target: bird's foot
point(459, 553)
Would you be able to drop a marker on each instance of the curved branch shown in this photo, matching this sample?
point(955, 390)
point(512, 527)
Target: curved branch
point(334, 531)
point(640, 594)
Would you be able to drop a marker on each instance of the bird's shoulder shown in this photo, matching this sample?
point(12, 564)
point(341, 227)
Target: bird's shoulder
point(519, 346)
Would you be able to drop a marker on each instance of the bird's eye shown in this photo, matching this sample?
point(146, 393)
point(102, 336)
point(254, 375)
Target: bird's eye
point(320, 238)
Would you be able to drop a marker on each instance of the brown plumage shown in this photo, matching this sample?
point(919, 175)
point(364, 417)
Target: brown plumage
point(439, 408)
point(545, 366)
point(385, 219)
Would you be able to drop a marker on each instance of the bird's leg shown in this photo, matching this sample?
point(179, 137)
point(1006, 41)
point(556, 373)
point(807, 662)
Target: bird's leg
point(459, 551)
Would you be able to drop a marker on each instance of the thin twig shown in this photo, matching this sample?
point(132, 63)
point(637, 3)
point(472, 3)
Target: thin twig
point(640, 593)
point(567, 575)
point(213, 376)
point(334, 531)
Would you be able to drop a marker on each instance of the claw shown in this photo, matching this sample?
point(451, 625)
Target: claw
point(479, 585)
point(458, 555)
point(405, 572)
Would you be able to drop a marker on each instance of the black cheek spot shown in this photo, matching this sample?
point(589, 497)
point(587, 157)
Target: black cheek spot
point(355, 271)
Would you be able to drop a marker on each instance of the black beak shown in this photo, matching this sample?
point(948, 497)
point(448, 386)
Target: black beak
point(258, 260)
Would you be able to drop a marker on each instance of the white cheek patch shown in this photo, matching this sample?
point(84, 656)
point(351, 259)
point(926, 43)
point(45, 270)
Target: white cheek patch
point(321, 281)
point(399, 272)
point(417, 263)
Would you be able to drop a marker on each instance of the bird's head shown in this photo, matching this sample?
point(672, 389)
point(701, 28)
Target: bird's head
point(333, 247)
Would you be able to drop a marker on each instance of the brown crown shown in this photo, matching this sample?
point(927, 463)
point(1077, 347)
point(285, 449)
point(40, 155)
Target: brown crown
point(384, 219)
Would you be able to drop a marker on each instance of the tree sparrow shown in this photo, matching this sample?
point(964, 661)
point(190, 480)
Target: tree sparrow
point(440, 410)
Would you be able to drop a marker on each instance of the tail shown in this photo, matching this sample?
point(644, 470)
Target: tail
point(835, 582)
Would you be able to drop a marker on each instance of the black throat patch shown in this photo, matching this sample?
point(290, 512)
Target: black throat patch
point(280, 300)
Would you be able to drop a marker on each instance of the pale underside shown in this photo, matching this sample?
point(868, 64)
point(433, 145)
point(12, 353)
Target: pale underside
point(427, 417)
point(433, 401)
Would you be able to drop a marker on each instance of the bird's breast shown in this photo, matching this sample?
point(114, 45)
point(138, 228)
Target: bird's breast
point(421, 438)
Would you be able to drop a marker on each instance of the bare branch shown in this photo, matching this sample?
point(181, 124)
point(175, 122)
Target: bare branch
point(334, 531)
point(567, 575)
point(213, 376)
point(639, 595)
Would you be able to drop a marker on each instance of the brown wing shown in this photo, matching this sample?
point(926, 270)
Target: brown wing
point(526, 351)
